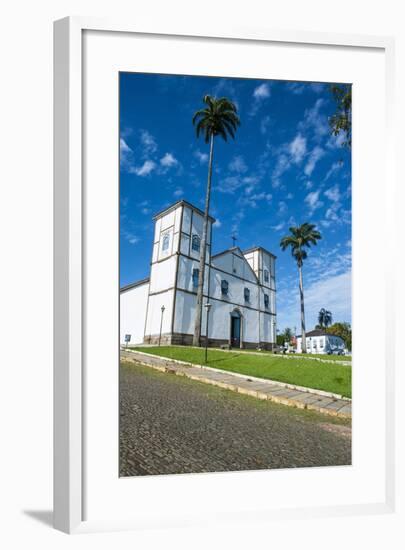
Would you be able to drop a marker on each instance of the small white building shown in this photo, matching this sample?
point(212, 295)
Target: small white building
point(240, 286)
point(319, 341)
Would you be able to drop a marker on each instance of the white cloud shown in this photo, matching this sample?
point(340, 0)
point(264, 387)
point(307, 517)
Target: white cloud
point(316, 154)
point(178, 192)
point(145, 211)
point(288, 154)
point(334, 168)
point(238, 165)
point(298, 148)
point(252, 200)
point(230, 184)
point(282, 208)
point(130, 237)
point(262, 91)
point(148, 142)
point(260, 94)
point(124, 147)
point(312, 200)
point(317, 87)
point(202, 157)
point(333, 193)
point(264, 124)
point(336, 142)
point(282, 165)
point(217, 223)
point(168, 160)
point(237, 218)
point(147, 168)
point(315, 120)
point(279, 226)
point(289, 196)
point(125, 153)
point(331, 292)
point(296, 88)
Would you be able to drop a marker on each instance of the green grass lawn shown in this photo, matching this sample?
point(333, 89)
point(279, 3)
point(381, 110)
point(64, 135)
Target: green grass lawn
point(302, 372)
point(323, 356)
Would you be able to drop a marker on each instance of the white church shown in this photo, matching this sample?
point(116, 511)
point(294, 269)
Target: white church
point(239, 286)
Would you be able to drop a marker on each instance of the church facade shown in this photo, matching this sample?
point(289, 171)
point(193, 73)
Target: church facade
point(239, 285)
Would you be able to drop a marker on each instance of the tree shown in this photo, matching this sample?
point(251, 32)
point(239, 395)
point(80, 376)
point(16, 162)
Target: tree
point(280, 339)
point(300, 238)
point(284, 337)
point(287, 334)
point(341, 121)
point(343, 330)
point(324, 318)
point(218, 118)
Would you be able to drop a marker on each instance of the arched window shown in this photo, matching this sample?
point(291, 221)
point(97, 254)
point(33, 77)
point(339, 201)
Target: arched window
point(196, 273)
point(195, 243)
point(224, 287)
point(246, 293)
point(166, 242)
point(266, 275)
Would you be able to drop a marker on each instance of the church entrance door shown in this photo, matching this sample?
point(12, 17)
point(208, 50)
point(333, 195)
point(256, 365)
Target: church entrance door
point(235, 329)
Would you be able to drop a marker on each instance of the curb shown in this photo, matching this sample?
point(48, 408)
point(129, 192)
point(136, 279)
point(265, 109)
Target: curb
point(322, 393)
point(296, 396)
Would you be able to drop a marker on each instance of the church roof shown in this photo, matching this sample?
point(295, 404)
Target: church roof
point(231, 249)
point(135, 284)
point(319, 332)
point(176, 205)
point(254, 248)
point(239, 253)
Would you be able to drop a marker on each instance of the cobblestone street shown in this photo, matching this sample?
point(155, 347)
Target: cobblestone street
point(170, 424)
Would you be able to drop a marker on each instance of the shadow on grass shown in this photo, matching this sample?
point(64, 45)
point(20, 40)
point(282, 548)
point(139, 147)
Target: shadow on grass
point(234, 356)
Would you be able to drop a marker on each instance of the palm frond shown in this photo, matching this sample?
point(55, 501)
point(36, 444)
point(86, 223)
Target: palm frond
point(219, 118)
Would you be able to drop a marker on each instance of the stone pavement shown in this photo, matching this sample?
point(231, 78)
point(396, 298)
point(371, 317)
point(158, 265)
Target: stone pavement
point(174, 425)
point(277, 392)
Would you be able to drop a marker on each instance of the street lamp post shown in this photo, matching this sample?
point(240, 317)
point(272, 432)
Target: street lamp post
point(207, 307)
point(162, 309)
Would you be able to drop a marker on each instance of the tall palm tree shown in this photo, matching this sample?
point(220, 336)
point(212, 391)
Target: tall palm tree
point(324, 318)
point(218, 118)
point(300, 238)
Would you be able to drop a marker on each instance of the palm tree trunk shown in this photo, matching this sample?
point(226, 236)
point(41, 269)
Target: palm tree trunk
point(200, 289)
point(303, 335)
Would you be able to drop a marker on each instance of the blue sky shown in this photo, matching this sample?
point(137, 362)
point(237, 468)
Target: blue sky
point(284, 168)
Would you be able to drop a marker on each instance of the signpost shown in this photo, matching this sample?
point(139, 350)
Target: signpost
point(207, 307)
point(162, 309)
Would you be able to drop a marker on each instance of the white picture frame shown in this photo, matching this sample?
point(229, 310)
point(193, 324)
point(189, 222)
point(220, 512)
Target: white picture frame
point(70, 385)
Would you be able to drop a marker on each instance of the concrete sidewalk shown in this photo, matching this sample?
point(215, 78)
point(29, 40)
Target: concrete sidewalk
point(278, 392)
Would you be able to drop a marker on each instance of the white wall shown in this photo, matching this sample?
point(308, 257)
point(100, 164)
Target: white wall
point(154, 315)
point(314, 344)
point(133, 304)
point(162, 275)
point(232, 262)
point(222, 306)
point(185, 274)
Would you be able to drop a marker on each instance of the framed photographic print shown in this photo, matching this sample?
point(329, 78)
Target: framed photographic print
point(220, 275)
